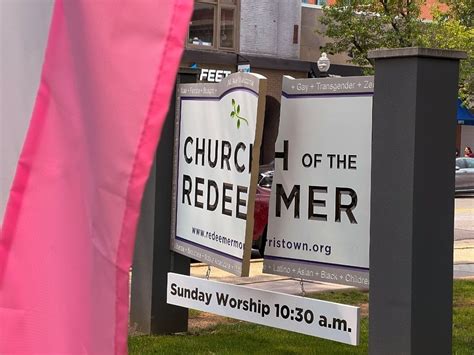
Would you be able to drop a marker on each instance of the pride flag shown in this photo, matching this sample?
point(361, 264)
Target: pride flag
point(67, 237)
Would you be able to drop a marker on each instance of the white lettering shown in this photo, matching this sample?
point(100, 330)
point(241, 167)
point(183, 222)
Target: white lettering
point(212, 75)
point(219, 75)
point(203, 74)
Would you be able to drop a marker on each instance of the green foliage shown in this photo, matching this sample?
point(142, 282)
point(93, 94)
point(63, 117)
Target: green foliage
point(245, 338)
point(463, 316)
point(351, 296)
point(463, 11)
point(363, 25)
point(448, 32)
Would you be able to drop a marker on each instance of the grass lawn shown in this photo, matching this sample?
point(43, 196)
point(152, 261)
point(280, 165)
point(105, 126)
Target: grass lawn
point(236, 337)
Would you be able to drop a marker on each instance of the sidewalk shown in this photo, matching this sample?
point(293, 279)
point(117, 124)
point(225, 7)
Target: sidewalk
point(261, 281)
point(463, 258)
point(464, 237)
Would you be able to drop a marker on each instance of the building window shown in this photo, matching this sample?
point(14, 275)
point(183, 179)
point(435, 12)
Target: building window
point(227, 27)
point(201, 29)
point(214, 24)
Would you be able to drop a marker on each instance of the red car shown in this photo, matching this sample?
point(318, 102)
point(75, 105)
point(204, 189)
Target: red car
point(262, 202)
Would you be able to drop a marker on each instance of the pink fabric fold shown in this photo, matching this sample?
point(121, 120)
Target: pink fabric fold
point(69, 227)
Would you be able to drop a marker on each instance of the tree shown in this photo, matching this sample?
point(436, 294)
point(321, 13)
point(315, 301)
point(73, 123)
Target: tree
point(361, 25)
point(358, 26)
point(448, 32)
point(463, 11)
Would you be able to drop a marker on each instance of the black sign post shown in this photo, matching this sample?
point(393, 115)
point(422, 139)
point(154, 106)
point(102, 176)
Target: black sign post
point(153, 259)
point(412, 200)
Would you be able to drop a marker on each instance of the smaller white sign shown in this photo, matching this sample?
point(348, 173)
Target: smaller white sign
point(309, 316)
point(243, 68)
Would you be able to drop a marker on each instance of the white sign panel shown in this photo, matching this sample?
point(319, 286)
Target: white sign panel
point(219, 135)
point(319, 216)
point(323, 319)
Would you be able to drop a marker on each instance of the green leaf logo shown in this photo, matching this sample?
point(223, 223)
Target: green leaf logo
point(235, 113)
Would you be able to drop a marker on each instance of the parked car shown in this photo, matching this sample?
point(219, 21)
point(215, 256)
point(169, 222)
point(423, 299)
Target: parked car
point(262, 202)
point(464, 176)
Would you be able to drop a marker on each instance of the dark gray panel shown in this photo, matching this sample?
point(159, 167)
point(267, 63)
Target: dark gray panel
point(153, 259)
point(412, 204)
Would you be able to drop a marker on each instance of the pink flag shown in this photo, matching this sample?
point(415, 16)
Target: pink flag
point(69, 226)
